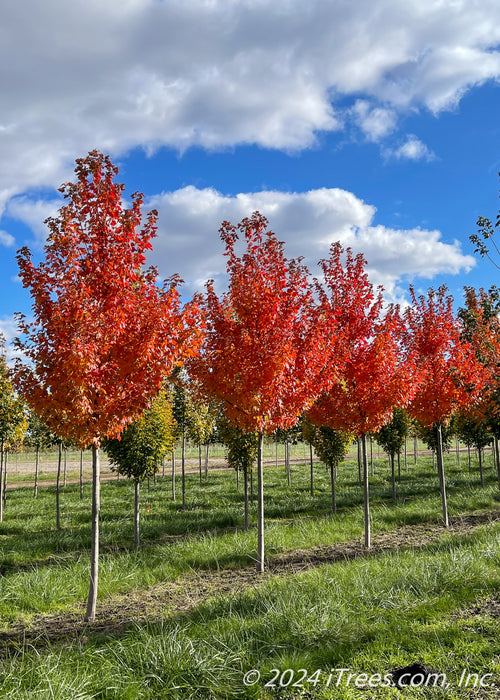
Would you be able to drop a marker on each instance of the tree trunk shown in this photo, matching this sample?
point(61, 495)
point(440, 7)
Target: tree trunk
point(366, 494)
point(260, 506)
point(183, 469)
point(58, 485)
point(440, 468)
point(2, 455)
point(372, 469)
point(311, 468)
point(415, 449)
point(245, 491)
point(480, 458)
point(137, 542)
point(81, 475)
point(393, 477)
point(251, 487)
point(207, 447)
point(497, 454)
point(5, 462)
point(94, 552)
point(332, 482)
point(399, 467)
point(199, 464)
point(406, 454)
point(469, 459)
point(37, 460)
point(457, 447)
point(287, 464)
point(360, 481)
point(65, 465)
point(173, 475)
point(237, 478)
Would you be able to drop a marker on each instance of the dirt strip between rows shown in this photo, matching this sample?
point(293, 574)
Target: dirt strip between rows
point(171, 598)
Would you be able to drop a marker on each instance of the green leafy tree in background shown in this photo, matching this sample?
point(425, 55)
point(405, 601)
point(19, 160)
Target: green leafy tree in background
point(391, 438)
point(38, 436)
point(331, 446)
point(142, 447)
point(475, 432)
point(13, 423)
point(242, 450)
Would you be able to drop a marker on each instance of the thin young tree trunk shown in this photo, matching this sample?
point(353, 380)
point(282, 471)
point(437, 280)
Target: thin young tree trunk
point(360, 480)
point(65, 465)
point(237, 478)
point(366, 493)
point(199, 464)
point(5, 462)
point(37, 460)
point(58, 485)
point(207, 447)
point(440, 468)
point(260, 506)
point(137, 542)
point(393, 477)
point(287, 463)
point(406, 454)
point(497, 454)
point(183, 469)
point(399, 467)
point(173, 475)
point(251, 487)
point(480, 458)
point(276, 444)
point(311, 468)
point(415, 449)
point(372, 468)
point(469, 458)
point(332, 482)
point(457, 447)
point(163, 467)
point(2, 456)
point(245, 491)
point(81, 475)
point(94, 552)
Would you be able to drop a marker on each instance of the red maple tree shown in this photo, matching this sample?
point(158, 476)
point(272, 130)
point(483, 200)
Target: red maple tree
point(450, 374)
point(375, 374)
point(266, 347)
point(103, 334)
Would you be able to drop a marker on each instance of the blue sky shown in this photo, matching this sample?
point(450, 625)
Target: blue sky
point(373, 122)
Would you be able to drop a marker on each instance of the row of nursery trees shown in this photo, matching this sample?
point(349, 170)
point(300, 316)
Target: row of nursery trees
point(105, 339)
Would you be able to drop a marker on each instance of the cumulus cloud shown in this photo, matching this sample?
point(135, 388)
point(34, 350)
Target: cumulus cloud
point(375, 122)
point(412, 149)
point(6, 239)
point(308, 222)
point(117, 75)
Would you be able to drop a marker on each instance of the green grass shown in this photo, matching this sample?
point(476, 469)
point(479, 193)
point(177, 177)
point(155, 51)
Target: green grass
point(369, 615)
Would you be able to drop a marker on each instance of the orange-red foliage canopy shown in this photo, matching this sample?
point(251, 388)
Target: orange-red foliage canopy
point(266, 349)
point(450, 374)
point(103, 334)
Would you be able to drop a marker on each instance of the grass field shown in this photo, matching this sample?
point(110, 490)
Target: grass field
point(187, 616)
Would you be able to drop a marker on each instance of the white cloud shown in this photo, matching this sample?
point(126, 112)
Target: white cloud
point(220, 73)
point(308, 222)
point(6, 239)
point(412, 149)
point(375, 122)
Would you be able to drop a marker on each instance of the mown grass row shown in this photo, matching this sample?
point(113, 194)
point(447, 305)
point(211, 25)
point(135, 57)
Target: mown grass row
point(369, 616)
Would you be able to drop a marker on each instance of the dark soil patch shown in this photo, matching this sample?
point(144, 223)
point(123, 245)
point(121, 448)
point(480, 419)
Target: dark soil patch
point(177, 597)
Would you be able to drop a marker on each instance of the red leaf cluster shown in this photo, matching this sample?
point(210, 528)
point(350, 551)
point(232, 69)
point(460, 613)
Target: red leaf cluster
point(450, 375)
point(103, 334)
point(266, 346)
